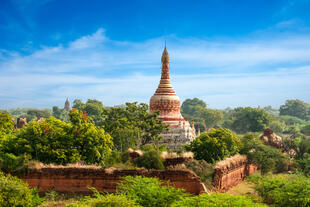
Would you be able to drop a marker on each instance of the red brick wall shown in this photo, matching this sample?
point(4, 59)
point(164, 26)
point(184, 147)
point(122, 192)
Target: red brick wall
point(229, 176)
point(77, 180)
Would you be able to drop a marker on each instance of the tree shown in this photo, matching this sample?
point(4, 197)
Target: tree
point(277, 126)
point(92, 107)
point(189, 105)
point(132, 125)
point(215, 145)
point(150, 191)
point(203, 117)
point(79, 105)
point(297, 108)
point(271, 111)
point(247, 119)
point(6, 124)
point(60, 113)
point(212, 117)
point(291, 120)
point(55, 141)
point(267, 158)
point(306, 129)
point(38, 113)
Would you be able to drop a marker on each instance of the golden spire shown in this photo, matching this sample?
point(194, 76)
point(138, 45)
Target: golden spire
point(165, 55)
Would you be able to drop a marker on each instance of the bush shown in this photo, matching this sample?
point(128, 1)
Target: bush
point(109, 200)
point(150, 160)
point(14, 192)
point(284, 190)
point(215, 145)
point(203, 169)
point(214, 200)
point(55, 141)
point(267, 158)
point(9, 163)
point(150, 192)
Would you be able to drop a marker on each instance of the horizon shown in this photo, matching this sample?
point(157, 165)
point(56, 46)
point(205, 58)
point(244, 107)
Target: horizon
point(248, 54)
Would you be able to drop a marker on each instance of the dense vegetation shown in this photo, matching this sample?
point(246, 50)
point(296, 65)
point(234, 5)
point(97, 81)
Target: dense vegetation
point(15, 193)
point(93, 134)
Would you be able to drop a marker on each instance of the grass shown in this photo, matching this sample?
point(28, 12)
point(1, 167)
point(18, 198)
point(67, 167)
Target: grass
point(243, 188)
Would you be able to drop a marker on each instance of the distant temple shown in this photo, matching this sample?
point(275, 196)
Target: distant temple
point(67, 105)
point(167, 102)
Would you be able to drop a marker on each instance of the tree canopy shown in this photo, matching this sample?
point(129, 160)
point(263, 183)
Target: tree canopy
point(297, 108)
point(55, 141)
point(215, 145)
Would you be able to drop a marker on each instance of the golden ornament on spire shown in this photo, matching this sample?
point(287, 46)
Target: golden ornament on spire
point(165, 55)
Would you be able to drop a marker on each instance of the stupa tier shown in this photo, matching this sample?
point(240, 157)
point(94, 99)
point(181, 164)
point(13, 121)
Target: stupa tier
point(165, 100)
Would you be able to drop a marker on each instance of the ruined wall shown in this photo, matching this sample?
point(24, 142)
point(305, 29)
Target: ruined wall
point(230, 172)
point(77, 180)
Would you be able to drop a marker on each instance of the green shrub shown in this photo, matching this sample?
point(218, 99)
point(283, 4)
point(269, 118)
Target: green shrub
point(15, 193)
point(108, 200)
point(203, 169)
point(284, 190)
point(55, 141)
point(153, 147)
point(150, 160)
point(267, 158)
point(10, 163)
point(215, 145)
point(150, 192)
point(215, 200)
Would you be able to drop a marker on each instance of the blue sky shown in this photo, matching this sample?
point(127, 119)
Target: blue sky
point(228, 53)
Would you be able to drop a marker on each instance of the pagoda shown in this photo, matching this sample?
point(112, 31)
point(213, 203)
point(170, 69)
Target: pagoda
point(167, 102)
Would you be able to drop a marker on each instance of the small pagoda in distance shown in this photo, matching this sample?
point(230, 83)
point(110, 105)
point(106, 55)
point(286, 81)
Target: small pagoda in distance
point(168, 103)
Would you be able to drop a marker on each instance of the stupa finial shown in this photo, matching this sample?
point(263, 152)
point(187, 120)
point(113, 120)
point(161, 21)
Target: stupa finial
point(165, 55)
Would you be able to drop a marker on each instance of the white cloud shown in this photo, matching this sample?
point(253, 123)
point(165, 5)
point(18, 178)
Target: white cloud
point(224, 73)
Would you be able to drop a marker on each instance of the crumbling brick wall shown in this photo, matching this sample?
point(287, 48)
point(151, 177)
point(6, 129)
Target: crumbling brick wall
point(230, 172)
point(77, 180)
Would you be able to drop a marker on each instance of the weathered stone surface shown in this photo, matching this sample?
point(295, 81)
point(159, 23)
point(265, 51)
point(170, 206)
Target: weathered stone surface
point(270, 138)
point(21, 122)
point(230, 172)
point(77, 180)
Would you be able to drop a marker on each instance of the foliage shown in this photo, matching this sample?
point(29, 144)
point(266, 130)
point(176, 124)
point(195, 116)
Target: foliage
point(203, 117)
point(271, 111)
point(150, 192)
point(10, 163)
point(247, 119)
point(132, 125)
point(267, 158)
point(214, 200)
point(15, 193)
point(291, 120)
point(297, 108)
point(153, 147)
point(150, 160)
point(284, 190)
point(203, 169)
point(118, 159)
point(60, 113)
point(93, 108)
point(6, 126)
point(189, 105)
point(108, 200)
point(306, 129)
point(215, 145)
point(55, 141)
point(277, 126)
